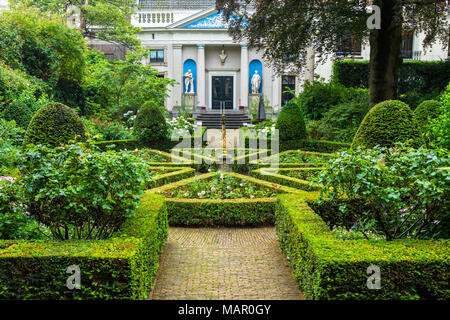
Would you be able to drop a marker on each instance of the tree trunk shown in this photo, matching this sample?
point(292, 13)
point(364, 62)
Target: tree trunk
point(385, 52)
point(83, 18)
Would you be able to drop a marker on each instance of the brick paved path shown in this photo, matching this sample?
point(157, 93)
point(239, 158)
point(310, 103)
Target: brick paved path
point(223, 264)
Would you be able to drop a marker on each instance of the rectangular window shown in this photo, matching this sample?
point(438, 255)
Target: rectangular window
point(349, 46)
point(287, 82)
point(407, 43)
point(157, 56)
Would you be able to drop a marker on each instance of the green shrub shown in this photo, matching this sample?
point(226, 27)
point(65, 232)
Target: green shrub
point(386, 123)
point(123, 267)
point(317, 97)
point(438, 133)
point(19, 113)
point(279, 176)
point(327, 268)
point(427, 110)
point(80, 193)
point(291, 123)
point(150, 126)
point(405, 195)
point(55, 124)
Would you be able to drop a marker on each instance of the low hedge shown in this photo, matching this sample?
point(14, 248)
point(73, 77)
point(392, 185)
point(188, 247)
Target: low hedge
point(128, 144)
point(328, 268)
point(122, 267)
point(305, 144)
point(227, 212)
point(277, 176)
point(176, 175)
point(321, 146)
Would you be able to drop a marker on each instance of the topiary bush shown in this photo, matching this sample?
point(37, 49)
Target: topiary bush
point(55, 124)
point(427, 110)
point(385, 124)
point(19, 113)
point(150, 126)
point(291, 123)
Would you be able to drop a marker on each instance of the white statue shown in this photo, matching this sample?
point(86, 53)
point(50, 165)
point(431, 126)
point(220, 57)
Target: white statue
point(256, 82)
point(189, 81)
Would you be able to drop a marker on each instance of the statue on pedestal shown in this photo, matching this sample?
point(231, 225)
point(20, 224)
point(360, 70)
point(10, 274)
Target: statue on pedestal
point(256, 82)
point(189, 81)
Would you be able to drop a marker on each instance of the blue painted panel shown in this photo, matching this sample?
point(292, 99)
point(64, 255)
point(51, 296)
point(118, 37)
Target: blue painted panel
point(213, 21)
point(255, 65)
point(190, 65)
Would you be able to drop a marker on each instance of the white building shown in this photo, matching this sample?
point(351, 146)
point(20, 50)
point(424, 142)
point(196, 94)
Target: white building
point(191, 35)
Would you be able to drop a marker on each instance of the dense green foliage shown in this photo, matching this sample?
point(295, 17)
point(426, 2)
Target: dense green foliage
point(117, 87)
point(15, 221)
point(44, 48)
point(421, 77)
point(326, 267)
point(405, 195)
point(80, 193)
point(438, 133)
point(426, 111)
point(107, 20)
point(174, 174)
point(291, 123)
point(123, 267)
point(55, 124)
point(151, 127)
point(387, 123)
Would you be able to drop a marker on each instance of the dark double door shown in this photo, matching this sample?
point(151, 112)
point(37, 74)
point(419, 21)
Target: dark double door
point(222, 92)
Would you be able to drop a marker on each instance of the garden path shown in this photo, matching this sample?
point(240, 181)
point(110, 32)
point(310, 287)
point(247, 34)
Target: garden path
point(224, 263)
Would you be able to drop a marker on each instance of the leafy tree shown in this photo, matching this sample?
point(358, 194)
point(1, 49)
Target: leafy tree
point(102, 19)
point(124, 85)
point(287, 29)
point(43, 47)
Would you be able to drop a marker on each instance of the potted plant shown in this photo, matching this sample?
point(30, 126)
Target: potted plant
point(241, 108)
point(203, 109)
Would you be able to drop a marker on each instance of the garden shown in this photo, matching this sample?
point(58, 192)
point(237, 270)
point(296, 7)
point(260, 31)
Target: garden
point(89, 175)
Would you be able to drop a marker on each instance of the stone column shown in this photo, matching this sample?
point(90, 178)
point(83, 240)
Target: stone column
point(244, 75)
point(170, 75)
point(201, 75)
point(177, 74)
point(310, 57)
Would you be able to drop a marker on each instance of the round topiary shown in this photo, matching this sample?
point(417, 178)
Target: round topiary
point(387, 123)
point(18, 112)
point(55, 124)
point(427, 110)
point(291, 123)
point(150, 126)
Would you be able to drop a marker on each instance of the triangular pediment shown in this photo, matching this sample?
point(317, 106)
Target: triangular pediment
point(207, 19)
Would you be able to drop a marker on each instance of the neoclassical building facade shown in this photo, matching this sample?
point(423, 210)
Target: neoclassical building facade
point(189, 38)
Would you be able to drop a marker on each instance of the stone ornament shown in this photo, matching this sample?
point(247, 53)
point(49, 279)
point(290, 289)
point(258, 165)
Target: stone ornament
point(223, 56)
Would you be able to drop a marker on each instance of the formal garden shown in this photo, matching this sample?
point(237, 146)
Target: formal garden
point(90, 176)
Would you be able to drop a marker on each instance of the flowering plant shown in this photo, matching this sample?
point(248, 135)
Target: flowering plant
point(403, 192)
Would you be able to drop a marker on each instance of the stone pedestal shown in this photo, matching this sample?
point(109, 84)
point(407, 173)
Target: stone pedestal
point(189, 101)
point(253, 101)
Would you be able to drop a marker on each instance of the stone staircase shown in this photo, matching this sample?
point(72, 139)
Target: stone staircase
point(233, 120)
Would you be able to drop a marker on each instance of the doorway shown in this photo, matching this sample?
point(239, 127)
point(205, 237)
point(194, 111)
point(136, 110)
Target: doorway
point(222, 92)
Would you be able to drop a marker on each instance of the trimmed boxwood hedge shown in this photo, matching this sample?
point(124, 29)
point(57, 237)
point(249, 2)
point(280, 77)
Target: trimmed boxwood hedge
point(328, 268)
point(122, 267)
point(387, 123)
point(217, 212)
point(55, 124)
point(117, 145)
point(306, 144)
point(277, 176)
point(419, 76)
point(176, 174)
